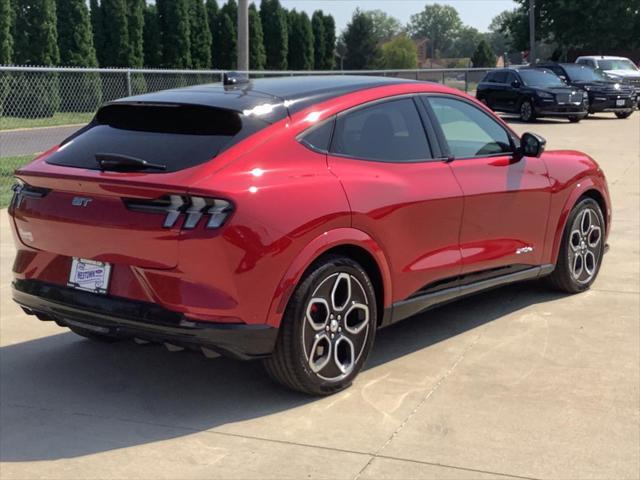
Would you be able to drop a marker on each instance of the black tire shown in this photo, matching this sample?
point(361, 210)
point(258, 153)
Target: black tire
point(564, 276)
point(527, 112)
point(300, 338)
point(575, 119)
point(623, 115)
point(95, 336)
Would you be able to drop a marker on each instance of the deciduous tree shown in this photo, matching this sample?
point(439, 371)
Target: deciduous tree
point(385, 27)
point(439, 23)
point(400, 52)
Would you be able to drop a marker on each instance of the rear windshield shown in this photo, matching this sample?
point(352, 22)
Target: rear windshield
point(175, 136)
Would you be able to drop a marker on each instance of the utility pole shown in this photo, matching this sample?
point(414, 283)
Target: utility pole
point(532, 32)
point(243, 35)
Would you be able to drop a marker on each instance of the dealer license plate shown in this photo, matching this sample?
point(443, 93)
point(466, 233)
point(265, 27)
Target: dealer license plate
point(89, 275)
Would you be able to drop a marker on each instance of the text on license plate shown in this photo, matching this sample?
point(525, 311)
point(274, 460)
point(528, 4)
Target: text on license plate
point(89, 275)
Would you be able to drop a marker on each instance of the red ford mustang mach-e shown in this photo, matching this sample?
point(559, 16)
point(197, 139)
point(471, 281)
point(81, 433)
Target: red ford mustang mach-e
point(288, 219)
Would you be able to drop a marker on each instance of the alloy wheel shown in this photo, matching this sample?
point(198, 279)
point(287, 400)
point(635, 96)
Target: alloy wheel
point(526, 111)
point(336, 326)
point(585, 246)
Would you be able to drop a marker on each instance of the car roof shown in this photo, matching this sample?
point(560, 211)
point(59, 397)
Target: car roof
point(602, 57)
point(283, 95)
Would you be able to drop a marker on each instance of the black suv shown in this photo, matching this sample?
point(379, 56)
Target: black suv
point(605, 95)
point(531, 93)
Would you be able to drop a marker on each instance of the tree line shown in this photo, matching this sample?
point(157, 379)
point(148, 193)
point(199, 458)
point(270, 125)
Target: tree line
point(184, 34)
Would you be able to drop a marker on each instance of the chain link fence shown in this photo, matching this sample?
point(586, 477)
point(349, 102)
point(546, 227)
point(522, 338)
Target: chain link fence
point(40, 106)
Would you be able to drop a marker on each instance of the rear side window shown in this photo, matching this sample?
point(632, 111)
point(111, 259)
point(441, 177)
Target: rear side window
point(318, 138)
point(391, 132)
point(176, 136)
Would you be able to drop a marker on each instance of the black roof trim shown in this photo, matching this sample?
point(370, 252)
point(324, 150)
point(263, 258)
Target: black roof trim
point(281, 96)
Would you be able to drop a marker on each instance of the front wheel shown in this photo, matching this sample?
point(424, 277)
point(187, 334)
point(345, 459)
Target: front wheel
point(575, 119)
point(327, 330)
point(527, 112)
point(623, 115)
point(581, 250)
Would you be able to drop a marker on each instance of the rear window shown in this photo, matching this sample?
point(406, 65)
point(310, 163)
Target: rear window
point(176, 136)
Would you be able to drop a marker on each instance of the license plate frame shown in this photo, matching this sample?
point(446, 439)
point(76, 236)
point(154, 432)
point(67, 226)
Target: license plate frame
point(89, 275)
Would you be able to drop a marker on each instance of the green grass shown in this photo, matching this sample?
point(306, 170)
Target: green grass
point(7, 166)
point(60, 118)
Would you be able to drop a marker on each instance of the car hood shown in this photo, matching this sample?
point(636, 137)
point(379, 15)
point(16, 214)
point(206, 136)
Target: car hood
point(624, 73)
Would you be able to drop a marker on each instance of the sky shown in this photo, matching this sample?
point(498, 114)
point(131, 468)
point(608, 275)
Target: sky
point(476, 13)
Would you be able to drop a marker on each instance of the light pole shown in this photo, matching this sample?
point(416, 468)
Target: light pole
point(532, 32)
point(243, 35)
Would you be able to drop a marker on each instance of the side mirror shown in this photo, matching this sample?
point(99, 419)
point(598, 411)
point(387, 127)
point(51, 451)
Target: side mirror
point(515, 84)
point(563, 78)
point(532, 145)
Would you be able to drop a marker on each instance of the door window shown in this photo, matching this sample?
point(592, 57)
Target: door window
point(468, 131)
point(391, 132)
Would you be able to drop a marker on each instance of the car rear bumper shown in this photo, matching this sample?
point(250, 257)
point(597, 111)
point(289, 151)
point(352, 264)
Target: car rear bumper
point(147, 321)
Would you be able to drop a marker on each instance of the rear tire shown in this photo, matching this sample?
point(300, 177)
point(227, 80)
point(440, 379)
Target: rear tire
point(527, 112)
point(327, 330)
point(623, 115)
point(95, 336)
point(581, 250)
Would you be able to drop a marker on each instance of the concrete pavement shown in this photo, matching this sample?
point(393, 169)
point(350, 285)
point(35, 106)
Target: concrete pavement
point(518, 382)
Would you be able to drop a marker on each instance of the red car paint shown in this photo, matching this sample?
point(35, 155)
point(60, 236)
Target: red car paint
point(419, 222)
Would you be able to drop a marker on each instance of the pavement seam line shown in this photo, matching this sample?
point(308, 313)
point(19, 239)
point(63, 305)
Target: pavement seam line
point(426, 397)
point(263, 439)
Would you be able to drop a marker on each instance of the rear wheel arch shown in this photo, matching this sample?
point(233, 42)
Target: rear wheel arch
point(351, 243)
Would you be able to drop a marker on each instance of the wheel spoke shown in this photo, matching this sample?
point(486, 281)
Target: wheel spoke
point(585, 222)
point(343, 354)
point(356, 318)
point(317, 313)
point(341, 292)
point(593, 239)
point(589, 263)
point(320, 353)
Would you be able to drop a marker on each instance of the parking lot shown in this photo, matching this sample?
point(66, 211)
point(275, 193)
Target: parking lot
point(521, 382)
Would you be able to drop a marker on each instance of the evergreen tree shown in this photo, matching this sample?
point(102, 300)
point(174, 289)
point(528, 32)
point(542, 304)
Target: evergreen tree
point(200, 35)
point(228, 42)
point(483, 57)
point(151, 35)
point(362, 49)
point(75, 39)
point(300, 41)
point(257, 54)
point(6, 38)
point(276, 39)
point(329, 43)
point(97, 25)
point(174, 27)
point(75, 42)
point(213, 15)
point(117, 50)
point(36, 33)
point(319, 39)
point(36, 43)
point(135, 24)
point(231, 9)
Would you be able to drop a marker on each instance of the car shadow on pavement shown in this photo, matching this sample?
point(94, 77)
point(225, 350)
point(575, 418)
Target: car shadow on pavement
point(62, 396)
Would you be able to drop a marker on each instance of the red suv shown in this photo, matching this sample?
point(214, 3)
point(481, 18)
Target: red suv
point(288, 219)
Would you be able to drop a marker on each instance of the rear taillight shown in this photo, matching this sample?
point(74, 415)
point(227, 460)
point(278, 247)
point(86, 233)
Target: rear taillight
point(22, 190)
point(193, 208)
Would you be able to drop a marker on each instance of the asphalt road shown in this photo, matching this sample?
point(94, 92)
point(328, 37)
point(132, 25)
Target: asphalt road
point(520, 382)
point(33, 140)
